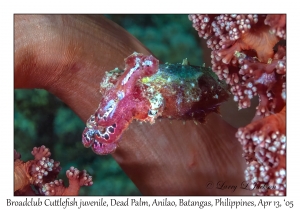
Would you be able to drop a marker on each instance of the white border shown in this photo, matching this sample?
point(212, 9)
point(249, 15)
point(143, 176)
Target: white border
point(160, 7)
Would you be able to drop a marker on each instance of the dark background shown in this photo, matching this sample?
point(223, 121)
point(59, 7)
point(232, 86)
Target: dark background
point(42, 119)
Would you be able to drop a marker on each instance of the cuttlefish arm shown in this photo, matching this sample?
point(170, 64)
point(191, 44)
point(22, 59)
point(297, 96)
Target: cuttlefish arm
point(68, 56)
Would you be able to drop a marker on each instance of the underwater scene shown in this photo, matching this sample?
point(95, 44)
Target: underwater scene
point(191, 101)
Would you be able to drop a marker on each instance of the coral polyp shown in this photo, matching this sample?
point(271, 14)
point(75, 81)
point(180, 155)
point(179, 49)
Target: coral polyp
point(145, 91)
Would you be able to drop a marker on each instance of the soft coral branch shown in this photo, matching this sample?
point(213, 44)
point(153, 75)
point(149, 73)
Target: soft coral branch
point(244, 55)
point(41, 172)
point(76, 178)
point(249, 53)
point(264, 145)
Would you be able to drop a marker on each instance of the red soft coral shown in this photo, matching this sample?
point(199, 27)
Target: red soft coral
point(40, 174)
point(249, 53)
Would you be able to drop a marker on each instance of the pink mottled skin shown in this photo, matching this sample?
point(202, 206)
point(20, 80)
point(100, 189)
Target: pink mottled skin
point(175, 91)
point(120, 105)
